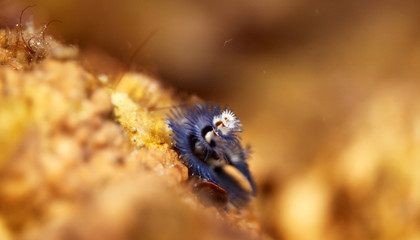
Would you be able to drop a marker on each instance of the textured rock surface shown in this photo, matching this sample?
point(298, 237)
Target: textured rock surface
point(83, 159)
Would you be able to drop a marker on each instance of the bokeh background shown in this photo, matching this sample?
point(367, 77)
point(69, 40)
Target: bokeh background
point(328, 93)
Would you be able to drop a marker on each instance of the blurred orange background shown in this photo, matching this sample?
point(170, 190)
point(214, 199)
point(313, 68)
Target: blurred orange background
point(327, 93)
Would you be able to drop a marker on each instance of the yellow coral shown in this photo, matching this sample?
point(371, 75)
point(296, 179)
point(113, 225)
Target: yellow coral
point(62, 150)
point(132, 99)
point(13, 120)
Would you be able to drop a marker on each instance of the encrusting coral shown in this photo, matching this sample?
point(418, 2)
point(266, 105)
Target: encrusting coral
point(82, 159)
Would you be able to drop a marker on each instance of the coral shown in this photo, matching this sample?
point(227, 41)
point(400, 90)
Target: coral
point(20, 48)
point(82, 159)
point(131, 101)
